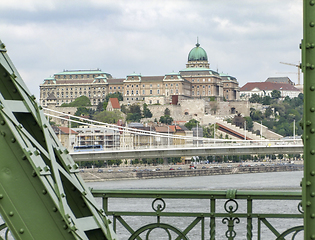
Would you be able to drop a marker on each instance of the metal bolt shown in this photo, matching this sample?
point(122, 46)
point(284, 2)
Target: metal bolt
point(21, 230)
point(312, 109)
point(11, 214)
point(312, 66)
point(313, 194)
point(13, 140)
point(308, 203)
point(312, 24)
point(312, 3)
point(54, 209)
point(312, 45)
point(44, 191)
point(65, 226)
point(308, 183)
point(313, 236)
point(312, 151)
point(308, 123)
point(313, 215)
point(306, 137)
point(312, 130)
point(1, 196)
point(2, 122)
point(312, 173)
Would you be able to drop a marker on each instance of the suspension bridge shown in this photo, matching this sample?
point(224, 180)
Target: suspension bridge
point(131, 143)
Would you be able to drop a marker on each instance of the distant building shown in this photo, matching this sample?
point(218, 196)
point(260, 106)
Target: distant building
point(280, 80)
point(197, 80)
point(113, 104)
point(265, 88)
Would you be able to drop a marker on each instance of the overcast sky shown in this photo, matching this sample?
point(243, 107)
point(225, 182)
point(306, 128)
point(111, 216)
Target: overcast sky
point(245, 38)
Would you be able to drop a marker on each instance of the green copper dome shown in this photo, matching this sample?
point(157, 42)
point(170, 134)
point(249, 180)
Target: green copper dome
point(197, 54)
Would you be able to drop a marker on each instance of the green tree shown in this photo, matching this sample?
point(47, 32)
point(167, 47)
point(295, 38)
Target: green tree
point(166, 119)
point(167, 112)
point(275, 94)
point(146, 111)
point(108, 116)
point(255, 98)
point(192, 123)
point(78, 102)
point(114, 95)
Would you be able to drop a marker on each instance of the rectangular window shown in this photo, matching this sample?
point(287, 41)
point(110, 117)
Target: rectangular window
point(150, 91)
point(143, 92)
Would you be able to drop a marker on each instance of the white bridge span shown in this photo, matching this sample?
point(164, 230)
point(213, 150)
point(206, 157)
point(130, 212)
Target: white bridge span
point(118, 142)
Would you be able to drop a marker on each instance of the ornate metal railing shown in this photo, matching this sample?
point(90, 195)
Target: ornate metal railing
point(231, 214)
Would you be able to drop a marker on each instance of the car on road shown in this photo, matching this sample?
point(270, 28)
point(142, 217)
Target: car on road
point(179, 168)
point(100, 170)
point(204, 167)
point(110, 170)
point(172, 168)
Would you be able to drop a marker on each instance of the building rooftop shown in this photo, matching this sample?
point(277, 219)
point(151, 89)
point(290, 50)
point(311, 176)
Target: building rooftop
point(268, 86)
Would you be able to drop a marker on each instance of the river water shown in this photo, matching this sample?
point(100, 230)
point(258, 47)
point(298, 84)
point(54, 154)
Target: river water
point(275, 181)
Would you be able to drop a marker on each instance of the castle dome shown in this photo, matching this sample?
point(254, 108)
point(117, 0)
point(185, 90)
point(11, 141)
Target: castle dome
point(197, 54)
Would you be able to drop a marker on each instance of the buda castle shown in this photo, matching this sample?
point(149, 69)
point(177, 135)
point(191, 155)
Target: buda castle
point(197, 80)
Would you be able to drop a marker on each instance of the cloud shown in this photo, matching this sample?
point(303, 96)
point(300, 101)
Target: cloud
point(246, 39)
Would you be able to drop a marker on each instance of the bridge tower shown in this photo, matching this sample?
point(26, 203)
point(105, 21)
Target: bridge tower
point(308, 68)
point(42, 195)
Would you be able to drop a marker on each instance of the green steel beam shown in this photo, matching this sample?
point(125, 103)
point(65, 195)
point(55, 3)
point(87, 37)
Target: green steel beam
point(308, 68)
point(42, 195)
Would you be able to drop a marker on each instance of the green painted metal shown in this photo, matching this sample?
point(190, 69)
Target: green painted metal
point(308, 68)
point(42, 195)
point(225, 211)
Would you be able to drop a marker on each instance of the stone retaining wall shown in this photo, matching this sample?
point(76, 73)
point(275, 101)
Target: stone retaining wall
point(105, 176)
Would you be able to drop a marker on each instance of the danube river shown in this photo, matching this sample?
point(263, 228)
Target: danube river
point(275, 181)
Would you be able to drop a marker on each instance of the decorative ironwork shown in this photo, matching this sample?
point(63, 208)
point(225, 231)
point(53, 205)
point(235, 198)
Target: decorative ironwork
point(163, 226)
point(228, 207)
point(192, 221)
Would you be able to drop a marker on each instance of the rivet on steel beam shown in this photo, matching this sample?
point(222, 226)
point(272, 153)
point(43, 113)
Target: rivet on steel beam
point(308, 204)
point(11, 214)
point(3, 134)
point(308, 46)
point(312, 88)
point(46, 168)
point(312, 3)
point(13, 140)
point(312, 151)
point(66, 151)
point(313, 215)
point(33, 97)
point(65, 226)
point(1, 196)
point(308, 183)
point(69, 166)
point(54, 209)
point(36, 152)
point(44, 191)
point(313, 236)
point(21, 231)
point(313, 194)
point(306, 137)
point(34, 174)
point(40, 108)
point(312, 66)
point(312, 24)
point(312, 109)
point(312, 173)
point(308, 123)
point(312, 130)
point(63, 195)
point(2, 46)
point(2, 122)
point(308, 65)
point(45, 126)
point(312, 46)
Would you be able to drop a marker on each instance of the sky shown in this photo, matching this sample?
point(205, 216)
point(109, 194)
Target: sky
point(246, 39)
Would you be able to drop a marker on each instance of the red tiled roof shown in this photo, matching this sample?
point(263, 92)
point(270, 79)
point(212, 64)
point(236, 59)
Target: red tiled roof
point(115, 103)
point(66, 130)
point(268, 86)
